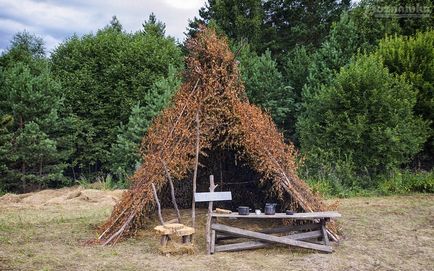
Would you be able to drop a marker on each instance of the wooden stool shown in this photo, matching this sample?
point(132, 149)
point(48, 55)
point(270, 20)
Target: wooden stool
point(177, 229)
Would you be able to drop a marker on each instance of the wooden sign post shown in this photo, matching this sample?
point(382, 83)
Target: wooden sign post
point(211, 196)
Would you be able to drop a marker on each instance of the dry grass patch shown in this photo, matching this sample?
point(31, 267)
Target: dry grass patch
point(381, 233)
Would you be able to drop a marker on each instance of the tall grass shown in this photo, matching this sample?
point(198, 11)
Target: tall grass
point(396, 183)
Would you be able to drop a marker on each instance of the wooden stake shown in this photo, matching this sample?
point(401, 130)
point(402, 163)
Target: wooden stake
point(208, 232)
point(118, 234)
point(196, 163)
point(160, 216)
point(172, 191)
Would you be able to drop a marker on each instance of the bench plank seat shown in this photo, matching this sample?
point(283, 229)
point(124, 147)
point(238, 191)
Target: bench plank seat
point(298, 216)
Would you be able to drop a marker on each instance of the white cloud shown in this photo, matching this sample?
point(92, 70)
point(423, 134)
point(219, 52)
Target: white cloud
point(184, 4)
point(47, 15)
point(9, 25)
point(51, 43)
point(55, 20)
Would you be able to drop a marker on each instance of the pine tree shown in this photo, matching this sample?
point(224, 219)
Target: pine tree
point(115, 24)
point(32, 152)
point(154, 27)
point(239, 20)
point(7, 155)
point(125, 156)
point(295, 70)
point(264, 84)
point(303, 22)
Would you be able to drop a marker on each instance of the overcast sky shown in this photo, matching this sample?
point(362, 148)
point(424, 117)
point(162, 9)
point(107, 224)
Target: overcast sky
point(55, 20)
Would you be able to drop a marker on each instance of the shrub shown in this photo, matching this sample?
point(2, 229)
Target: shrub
point(407, 181)
point(413, 58)
point(361, 124)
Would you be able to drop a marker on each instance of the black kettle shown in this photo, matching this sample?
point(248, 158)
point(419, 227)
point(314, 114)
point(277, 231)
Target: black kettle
point(270, 208)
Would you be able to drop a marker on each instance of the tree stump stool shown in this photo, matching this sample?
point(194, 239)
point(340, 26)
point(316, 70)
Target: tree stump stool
point(176, 229)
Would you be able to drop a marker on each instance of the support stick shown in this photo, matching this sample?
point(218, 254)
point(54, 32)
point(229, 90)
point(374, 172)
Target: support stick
point(172, 192)
point(208, 236)
point(160, 216)
point(196, 163)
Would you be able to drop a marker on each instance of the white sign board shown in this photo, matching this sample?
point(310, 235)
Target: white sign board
point(212, 196)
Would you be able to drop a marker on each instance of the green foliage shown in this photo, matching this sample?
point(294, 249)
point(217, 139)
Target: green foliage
point(289, 23)
point(7, 156)
point(332, 189)
point(356, 31)
point(295, 70)
point(406, 182)
point(413, 58)
point(370, 27)
point(395, 183)
point(33, 152)
point(361, 124)
point(264, 84)
point(307, 71)
point(154, 27)
point(125, 156)
point(37, 154)
point(410, 25)
point(277, 25)
point(102, 182)
point(240, 20)
point(357, 117)
point(115, 24)
point(25, 47)
point(103, 76)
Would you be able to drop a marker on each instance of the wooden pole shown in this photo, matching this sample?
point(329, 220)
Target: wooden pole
point(172, 191)
point(196, 163)
point(160, 216)
point(208, 232)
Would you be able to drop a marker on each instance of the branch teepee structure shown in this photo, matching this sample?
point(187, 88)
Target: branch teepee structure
point(212, 90)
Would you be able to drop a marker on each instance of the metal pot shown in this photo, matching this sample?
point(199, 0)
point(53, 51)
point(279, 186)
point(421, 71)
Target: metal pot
point(243, 210)
point(289, 212)
point(270, 208)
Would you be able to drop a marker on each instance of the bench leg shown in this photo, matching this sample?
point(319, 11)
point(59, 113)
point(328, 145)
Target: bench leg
point(324, 233)
point(163, 240)
point(213, 234)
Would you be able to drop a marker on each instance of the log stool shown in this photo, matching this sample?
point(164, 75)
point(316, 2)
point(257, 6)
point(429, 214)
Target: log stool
point(177, 229)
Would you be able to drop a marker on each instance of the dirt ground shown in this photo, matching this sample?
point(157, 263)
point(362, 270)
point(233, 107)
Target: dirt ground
point(47, 231)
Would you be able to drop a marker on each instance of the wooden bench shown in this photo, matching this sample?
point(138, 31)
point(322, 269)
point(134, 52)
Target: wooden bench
point(304, 236)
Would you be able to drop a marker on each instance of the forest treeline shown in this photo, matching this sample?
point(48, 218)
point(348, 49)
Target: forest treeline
point(351, 89)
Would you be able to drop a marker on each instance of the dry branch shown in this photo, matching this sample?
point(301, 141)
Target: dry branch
point(212, 187)
point(196, 164)
point(172, 192)
point(160, 216)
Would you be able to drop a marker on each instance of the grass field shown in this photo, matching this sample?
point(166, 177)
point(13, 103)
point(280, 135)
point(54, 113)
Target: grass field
point(48, 230)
